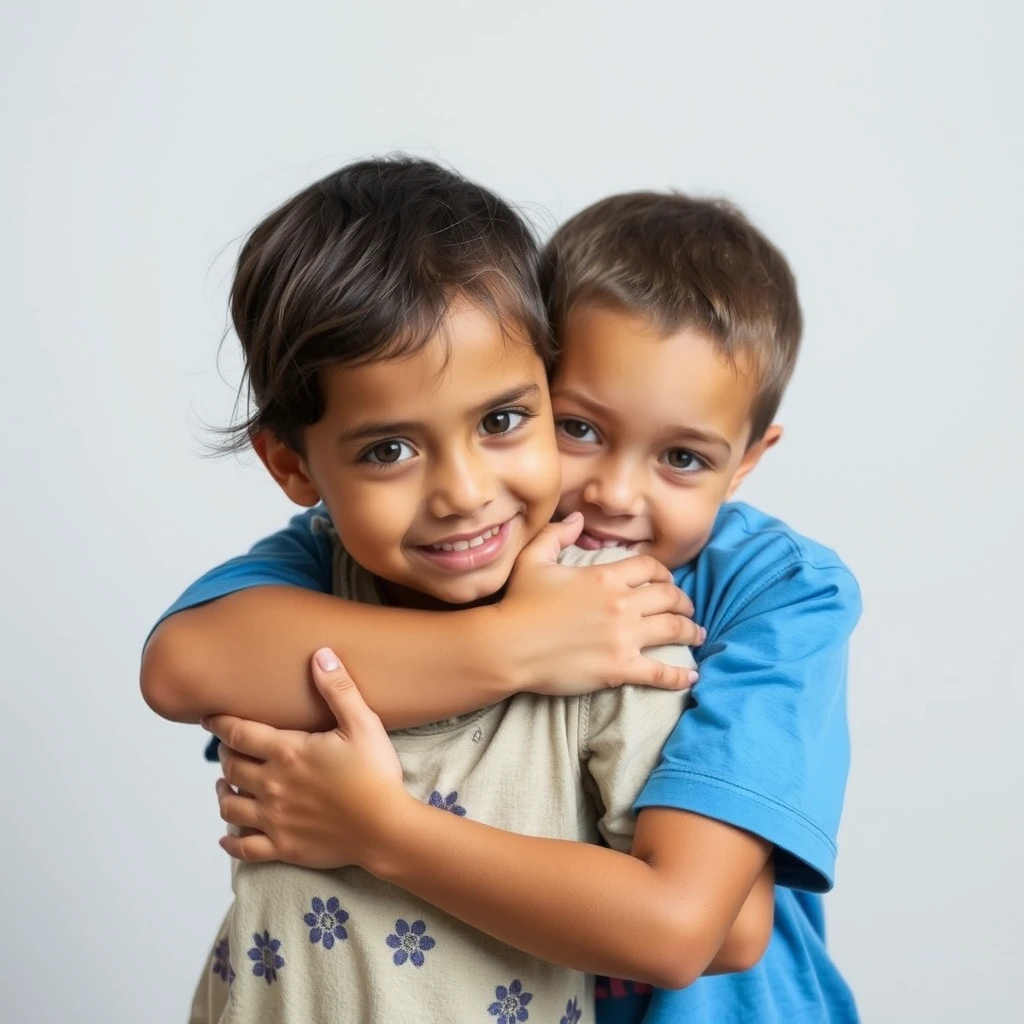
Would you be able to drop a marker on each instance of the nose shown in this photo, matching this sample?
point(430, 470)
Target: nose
point(462, 485)
point(616, 487)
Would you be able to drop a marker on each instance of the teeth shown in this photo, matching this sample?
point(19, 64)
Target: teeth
point(465, 545)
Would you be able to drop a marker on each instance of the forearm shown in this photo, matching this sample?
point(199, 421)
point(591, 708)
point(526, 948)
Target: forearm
point(579, 905)
point(247, 654)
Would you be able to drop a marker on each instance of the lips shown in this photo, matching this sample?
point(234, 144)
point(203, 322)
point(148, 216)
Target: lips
point(592, 540)
point(467, 552)
point(464, 543)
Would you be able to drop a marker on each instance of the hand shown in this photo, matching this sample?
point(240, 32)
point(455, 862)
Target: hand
point(574, 630)
point(313, 799)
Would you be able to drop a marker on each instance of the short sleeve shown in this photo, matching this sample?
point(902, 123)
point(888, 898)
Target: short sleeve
point(765, 746)
point(623, 731)
point(300, 555)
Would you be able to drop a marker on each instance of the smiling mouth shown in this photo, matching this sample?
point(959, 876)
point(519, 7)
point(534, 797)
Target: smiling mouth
point(593, 541)
point(465, 543)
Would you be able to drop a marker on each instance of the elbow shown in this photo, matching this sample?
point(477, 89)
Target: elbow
point(687, 953)
point(163, 679)
point(743, 953)
point(672, 977)
point(678, 961)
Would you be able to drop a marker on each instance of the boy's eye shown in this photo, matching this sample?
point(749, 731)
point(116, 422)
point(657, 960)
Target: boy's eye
point(502, 421)
point(388, 453)
point(681, 459)
point(578, 430)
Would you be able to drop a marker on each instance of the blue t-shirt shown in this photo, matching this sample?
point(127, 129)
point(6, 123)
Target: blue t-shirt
point(765, 746)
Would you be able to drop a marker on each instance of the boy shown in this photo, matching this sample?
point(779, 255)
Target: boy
point(678, 327)
point(395, 341)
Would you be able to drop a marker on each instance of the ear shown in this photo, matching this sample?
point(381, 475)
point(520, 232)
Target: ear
point(287, 467)
point(752, 456)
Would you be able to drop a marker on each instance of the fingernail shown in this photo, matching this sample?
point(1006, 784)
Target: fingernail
point(703, 634)
point(327, 659)
point(693, 677)
point(205, 723)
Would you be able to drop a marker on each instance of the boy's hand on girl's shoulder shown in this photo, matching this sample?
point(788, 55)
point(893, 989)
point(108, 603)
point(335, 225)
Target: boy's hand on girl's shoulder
point(573, 630)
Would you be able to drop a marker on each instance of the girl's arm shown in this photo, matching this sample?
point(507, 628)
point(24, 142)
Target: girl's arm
point(558, 630)
point(661, 915)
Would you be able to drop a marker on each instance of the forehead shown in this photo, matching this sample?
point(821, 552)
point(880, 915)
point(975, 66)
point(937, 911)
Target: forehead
point(469, 358)
point(653, 381)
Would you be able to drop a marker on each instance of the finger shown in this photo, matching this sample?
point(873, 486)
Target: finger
point(252, 738)
point(662, 676)
point(660, 597)
point(254, 849)
point(241, 771)
point(545, 548)
point(236, 809)
point(638, 570)
point(668, 628)
point(339, 691)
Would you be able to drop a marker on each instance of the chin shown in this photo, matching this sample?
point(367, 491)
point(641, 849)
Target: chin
point(480, 588)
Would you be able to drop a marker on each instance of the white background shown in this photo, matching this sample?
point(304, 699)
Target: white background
point(880, 146)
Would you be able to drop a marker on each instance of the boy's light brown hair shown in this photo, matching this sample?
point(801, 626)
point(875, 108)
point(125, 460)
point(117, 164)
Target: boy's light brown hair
point(681, 262)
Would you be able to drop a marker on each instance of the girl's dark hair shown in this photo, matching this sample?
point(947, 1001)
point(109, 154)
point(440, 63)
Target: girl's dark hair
point(363, 265)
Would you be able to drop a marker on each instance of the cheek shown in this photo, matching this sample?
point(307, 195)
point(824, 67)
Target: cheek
point(537, 475)
point(683, 522)
point(372, 520)
point(573, 474)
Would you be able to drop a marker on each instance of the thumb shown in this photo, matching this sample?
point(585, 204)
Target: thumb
point(338, 689)
point(545, 548)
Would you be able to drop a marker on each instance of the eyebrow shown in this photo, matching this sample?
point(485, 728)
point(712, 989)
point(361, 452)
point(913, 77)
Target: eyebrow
point(681, 433)
point(370, 431)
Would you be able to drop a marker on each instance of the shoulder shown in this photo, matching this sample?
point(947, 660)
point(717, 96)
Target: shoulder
point(630, 716)
point(755, 561)
point(300, 555)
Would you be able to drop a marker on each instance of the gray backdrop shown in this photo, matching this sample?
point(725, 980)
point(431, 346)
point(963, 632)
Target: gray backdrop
point(879, 144)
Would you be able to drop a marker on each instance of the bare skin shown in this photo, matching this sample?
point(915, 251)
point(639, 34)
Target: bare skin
point(698, 891)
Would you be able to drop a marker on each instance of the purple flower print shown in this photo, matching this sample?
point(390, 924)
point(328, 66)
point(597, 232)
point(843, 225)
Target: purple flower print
point(410, 942)
point(572, 1013)
point(266, 959)
point(222, 961)
point(447, 803)
point(326, 922)
point(511, 1004)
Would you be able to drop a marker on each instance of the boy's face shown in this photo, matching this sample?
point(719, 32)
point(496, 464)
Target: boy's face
point(437, 468)
point(652, 430)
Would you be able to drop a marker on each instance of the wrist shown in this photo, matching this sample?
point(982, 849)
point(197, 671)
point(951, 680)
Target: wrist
point(497, 650)
point(394, 838)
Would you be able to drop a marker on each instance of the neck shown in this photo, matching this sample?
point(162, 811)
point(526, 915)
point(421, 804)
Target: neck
point(405, 597)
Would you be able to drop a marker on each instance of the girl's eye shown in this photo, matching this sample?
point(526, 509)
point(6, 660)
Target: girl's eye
point(578, 430)
point(682, 459)
point(389, 453)
point(503, 421)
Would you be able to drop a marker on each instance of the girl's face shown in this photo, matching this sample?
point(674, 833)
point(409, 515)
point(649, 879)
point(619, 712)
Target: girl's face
point(437, 468)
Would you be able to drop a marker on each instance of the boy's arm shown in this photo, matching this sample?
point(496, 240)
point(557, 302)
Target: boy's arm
point(668, 890)
point(236, 643)
point(751, 932)
point(659, 916)
point(760, 761)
